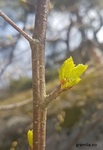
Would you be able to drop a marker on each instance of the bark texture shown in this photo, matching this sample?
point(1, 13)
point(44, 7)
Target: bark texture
point(38, 74)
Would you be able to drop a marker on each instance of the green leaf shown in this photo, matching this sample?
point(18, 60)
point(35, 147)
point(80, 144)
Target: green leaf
point(69, 73)
point(30, 137)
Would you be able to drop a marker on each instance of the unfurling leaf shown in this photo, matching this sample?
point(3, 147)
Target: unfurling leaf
point(30, 138)
point(69, 73)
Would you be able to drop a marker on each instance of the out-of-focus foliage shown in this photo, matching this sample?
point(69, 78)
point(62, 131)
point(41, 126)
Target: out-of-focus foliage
point(63, 4)
point(70, 4)
point(20, 85)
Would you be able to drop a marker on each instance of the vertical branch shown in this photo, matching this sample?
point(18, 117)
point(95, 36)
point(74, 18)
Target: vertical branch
point(38, 73)
point(40, 34)
point(36, 93)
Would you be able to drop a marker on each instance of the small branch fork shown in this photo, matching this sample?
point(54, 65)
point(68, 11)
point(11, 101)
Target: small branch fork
point(58, 90)
point(24, 34)
point(40, 100)
point(53, 95)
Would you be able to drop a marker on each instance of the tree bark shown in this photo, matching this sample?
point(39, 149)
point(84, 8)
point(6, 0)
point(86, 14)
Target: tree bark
point(38, 75)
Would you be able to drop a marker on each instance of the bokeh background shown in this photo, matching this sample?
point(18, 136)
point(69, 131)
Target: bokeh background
point(74, 28)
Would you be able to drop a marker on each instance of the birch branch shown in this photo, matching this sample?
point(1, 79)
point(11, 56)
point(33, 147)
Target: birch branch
point(24, 34)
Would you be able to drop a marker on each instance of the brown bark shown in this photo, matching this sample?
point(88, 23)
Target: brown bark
point(38, 73)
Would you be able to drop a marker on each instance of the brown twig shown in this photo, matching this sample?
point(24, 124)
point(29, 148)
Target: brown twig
point(12, 46)
point(15, 105)
point(24, 34)
point(53, 95)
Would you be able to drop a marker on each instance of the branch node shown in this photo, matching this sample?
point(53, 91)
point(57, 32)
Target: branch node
point(23, 33)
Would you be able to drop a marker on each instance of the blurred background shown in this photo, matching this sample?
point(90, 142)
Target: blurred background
point(75, 28)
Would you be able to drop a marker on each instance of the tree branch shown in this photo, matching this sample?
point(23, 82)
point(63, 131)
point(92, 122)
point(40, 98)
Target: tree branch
point(99, 27)
point(15, 105)
point(12, 46)
point(24, 34)
point(38, 75)
point(53, 95)
point(40, 34)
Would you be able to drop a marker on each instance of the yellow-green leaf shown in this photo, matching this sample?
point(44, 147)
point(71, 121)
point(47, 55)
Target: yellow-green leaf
point(30, 137)
point(69, 73)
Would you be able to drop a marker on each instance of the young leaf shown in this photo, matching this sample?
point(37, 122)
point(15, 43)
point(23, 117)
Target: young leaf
point(69, 73)
point(30, 138)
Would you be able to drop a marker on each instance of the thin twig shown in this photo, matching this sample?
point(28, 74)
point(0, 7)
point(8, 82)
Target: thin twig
point(53, 95)
point(15, 105)
point(12, 46)
point(24, 34)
